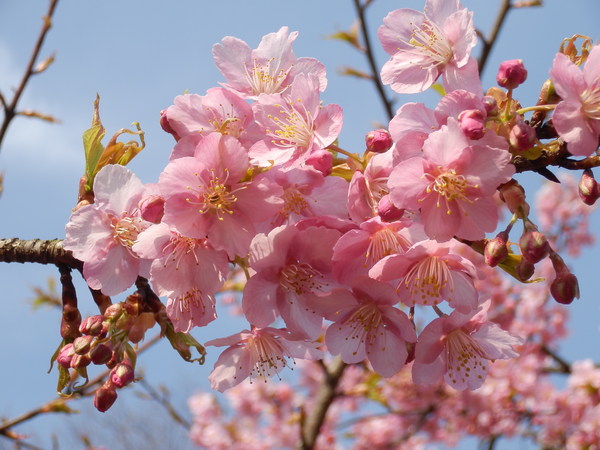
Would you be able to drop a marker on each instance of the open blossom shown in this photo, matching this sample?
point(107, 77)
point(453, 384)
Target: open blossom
point(207, 195)
point(577, 117)
point(260, 353)
point(429, 273)
point(458, 347)
point(425, 45)
point(453, 183)
point(268, 69)
point(292, 267)
point(367, 325)
point(102, 234)
point(296, 124)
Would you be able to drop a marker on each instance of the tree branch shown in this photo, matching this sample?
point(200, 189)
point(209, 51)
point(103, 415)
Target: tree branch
point(488, 44)
point(38, 251)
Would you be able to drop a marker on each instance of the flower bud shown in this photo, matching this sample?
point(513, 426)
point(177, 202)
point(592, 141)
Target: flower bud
point(122, 374)
point(105, 397)
point(565, 288)
point(82, 344)
point(165, 125)
point(496, 250)
point(101, 354)
point(80, 361)
point(378, 141)
point(490, 105)
point(94, 326)
point(152, 208)
point(511, 74)
point(522, 136)
point(534, 246)
point(513, 194)
point(472, 123)
point(113, 311)
point(388, 211)
point(322, 160)
point(524, 270)
point(588, 188)
point(65, 355)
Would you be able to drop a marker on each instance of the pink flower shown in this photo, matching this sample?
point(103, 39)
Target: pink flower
point(260, 353)
point(291, 267)
point(429, 273)
point(296, 124)
point(102, 234)
point(577, 117)
point(366, 325)
point(425, 45)
point(270, 69)
point(453, 183)
point(207, 195)
point(458, 348)
point(220, 111)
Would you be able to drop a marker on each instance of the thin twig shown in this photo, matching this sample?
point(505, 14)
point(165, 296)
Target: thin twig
point(10, 110)
point(488, 44)
point(360, 10)
point(164, 401)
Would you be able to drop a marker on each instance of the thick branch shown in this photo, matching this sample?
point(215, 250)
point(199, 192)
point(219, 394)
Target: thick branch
point(327, 393)
point(10, 109)
point(37, 251)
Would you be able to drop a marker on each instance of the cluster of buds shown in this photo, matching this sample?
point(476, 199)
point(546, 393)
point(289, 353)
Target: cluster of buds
point(104, 340)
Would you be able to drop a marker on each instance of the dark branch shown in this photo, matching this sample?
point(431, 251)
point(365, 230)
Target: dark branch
point(488, 44)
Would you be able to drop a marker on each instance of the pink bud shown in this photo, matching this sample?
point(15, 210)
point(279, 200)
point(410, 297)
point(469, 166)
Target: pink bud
point(122, 374)
point(105, 397)
point(322, 160)
point(378, 141)
point(94, 326)
point(588, 188)
point(522, 136)
point(490, 105)
point(152, 208)
point(511, 74)
point(82, 344)
point(524, 270)
point(513, 194)
point(65, 355)
point(565, 288)
point(472, 123)
point(496, 250)
point(534, 246)
point(101, 354)
point(113, 311)
point(387, 211)
point(165, 125)
point(80, 361)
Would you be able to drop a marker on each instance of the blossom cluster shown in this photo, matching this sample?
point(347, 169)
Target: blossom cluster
point(339, 252)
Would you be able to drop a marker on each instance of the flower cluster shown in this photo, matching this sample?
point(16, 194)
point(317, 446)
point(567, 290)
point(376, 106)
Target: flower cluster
point(348, 248)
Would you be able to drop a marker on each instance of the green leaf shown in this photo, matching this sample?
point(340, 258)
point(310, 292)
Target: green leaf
point(182, 343)
point(92, 145)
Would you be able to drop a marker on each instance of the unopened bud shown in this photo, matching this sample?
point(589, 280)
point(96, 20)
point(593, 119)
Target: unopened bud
point(165, 125)
point(152, 208)
point(565, 288)
point(113, 311)
point(496, 251)
point(472, 123)
point(534, 246)
point(490, 105)
point(101, 354)
point(513, 194)
point(522, 136)
point(94, 326)
point(105, 397)
point(122, 374)
point(80, 361)
point(388, 211)
point(511, 74)
point(65, 355)
point(82, 344)
point(378, 141)
point(322, 160)
point(588, 188)
point(524, 270)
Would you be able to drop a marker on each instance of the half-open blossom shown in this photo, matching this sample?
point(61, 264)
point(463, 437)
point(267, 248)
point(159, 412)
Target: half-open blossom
point(102, 234)
point(429, 273)
point(207, 195)
point(260, 353)
point(367, 325)
point(458, 347)
point(577, 117)
point(453, 183)
point(425, 45)
point(268, 69)
point(296, 124)
point(291, 267)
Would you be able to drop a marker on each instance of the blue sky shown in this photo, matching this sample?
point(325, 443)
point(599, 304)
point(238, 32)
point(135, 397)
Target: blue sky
point(138, 55)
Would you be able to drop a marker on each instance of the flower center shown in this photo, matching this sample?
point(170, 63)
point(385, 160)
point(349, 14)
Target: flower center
point(590, 101)
point(426, 279)
point(449, 185)
point(126, 230)
point(365, 322)
point(217, 197)
point(383, 243)
point(181, 246)
point(225, 121)
point(293, 203)
point(465, 357)
point(294, 128)
point(267, 353)
point(428, 40)
point(266, 78)
point(300, 278)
